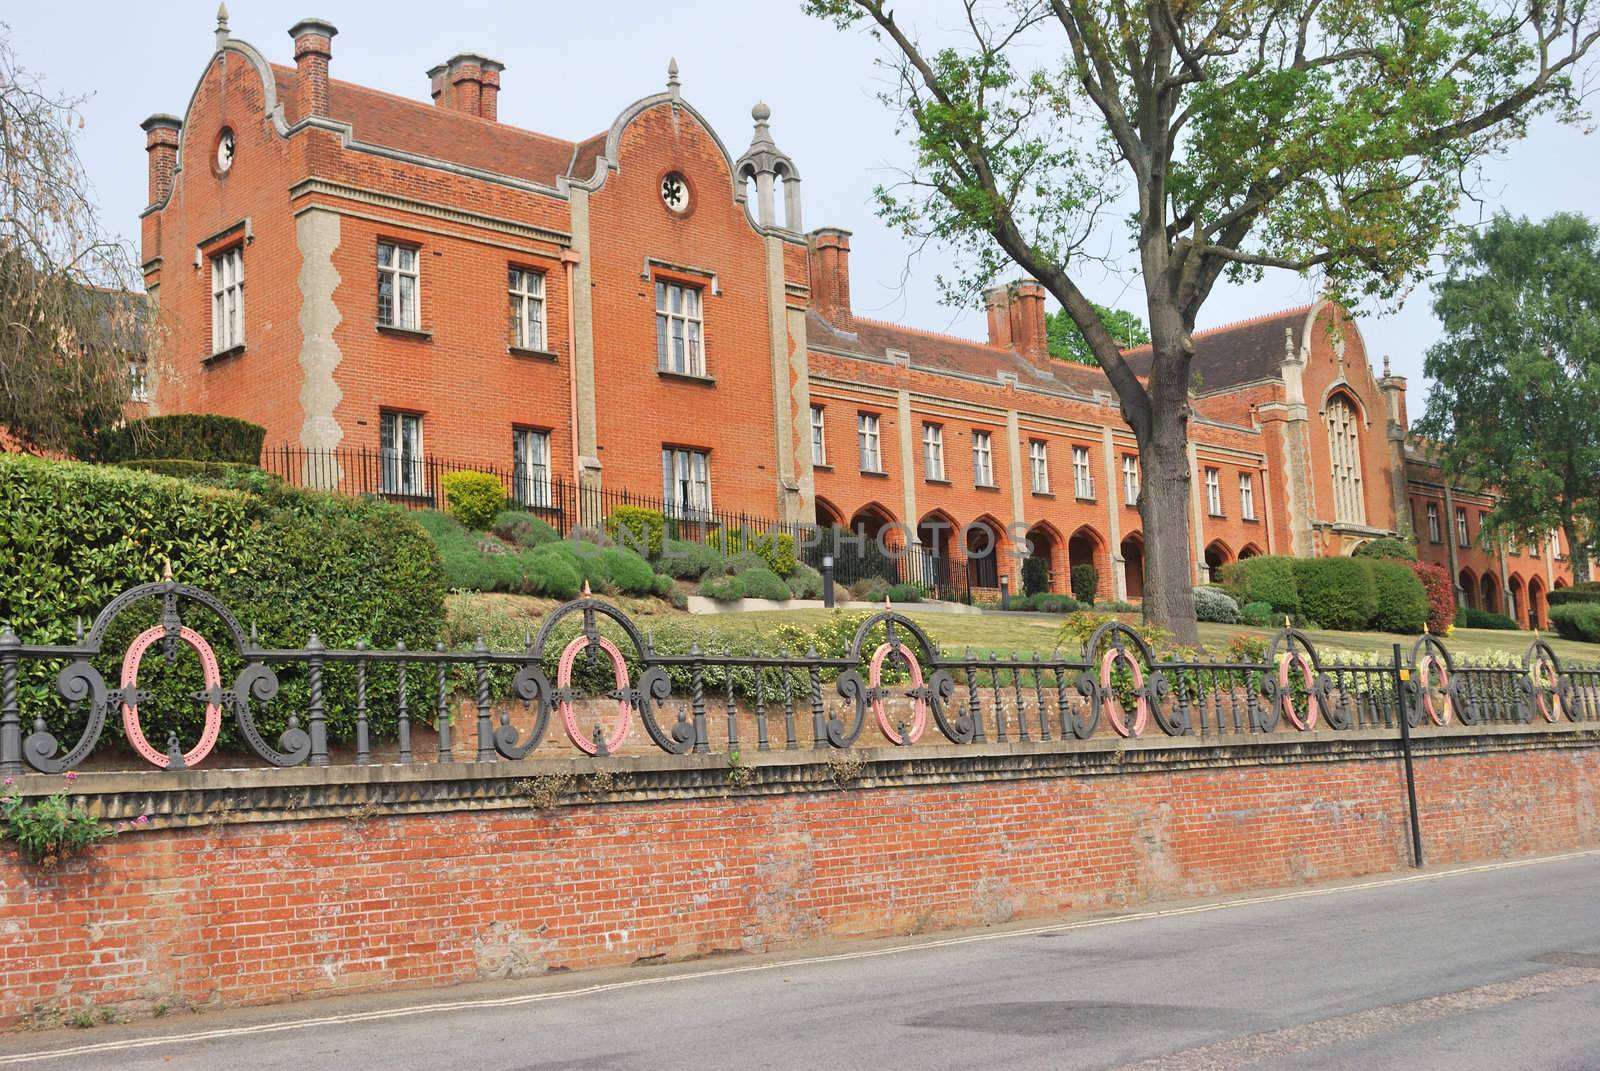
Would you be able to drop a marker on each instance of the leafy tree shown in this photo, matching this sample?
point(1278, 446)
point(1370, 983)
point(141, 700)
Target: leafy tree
point(1068, 344)
point(1326, 136)
point(1516, 395)
point(69, 320)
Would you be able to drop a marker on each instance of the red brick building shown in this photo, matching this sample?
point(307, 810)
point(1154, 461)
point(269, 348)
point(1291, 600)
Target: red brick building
point(374, 276)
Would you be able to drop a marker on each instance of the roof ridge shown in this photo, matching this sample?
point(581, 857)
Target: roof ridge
point(934, 334)
point(490, 123)
point(1249, 321)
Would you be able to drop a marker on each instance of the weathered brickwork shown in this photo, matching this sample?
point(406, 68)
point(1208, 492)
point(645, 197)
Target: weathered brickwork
point(234, 914)
point(321, 171)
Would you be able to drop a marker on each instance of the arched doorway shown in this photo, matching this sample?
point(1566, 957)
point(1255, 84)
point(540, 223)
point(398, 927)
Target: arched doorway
point(1133, 565)
point(1217, 555)
point(937, 533)
point(982, 548)
point(1468, 585)
point(1047, 546)
point(1087, 548)
point(1536, 611)
point(871, 520)
point(828, 515)
point(1516, 604)
point(1489, 589)
point(1249, 550)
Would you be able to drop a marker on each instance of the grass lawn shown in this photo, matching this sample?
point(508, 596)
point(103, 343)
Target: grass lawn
point(1004, 633)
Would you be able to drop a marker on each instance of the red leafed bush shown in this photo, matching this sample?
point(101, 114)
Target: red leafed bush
point(1441, 596)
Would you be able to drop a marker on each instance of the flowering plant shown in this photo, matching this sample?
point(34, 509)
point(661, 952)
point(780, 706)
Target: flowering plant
point(48, 829)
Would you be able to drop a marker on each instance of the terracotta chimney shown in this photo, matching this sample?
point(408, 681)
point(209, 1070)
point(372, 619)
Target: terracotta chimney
point(468, 83)
point(1017, 321)
point(161, 134)
point(830, 276)
point(313, 48)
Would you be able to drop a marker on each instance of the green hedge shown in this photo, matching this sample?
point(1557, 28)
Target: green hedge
point(1470, 617)
point(189, 436)
point(1085, 583)
point(1035, 574)
point(1577, 621)
point(220, 473)
point(1265, 578)
point(638, 529)
point(1402, 601)
point(1573, 595)
point(288, 562)
point(526, 530)
point(774, 549)
point(1336, 593)
point(1387, 547)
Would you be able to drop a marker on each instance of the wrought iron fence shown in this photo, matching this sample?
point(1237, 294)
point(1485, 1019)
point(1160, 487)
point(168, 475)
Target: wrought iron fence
point(591, 669)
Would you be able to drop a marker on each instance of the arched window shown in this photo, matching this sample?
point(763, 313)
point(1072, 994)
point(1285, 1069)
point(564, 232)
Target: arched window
point(1344, 453)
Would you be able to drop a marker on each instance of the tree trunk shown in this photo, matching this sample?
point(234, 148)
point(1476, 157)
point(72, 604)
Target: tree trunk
point(1577, 553)
point(1164, 495)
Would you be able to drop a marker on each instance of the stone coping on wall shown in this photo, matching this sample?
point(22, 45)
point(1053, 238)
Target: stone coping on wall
point(231, 796)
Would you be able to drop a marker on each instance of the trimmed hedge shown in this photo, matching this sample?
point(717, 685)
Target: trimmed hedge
point(1572, 595)
point(1577, 621)
point(219, 473)
point(1267, 578)
point(1402, 601)
point(1387, 547)
point(1085, 583)
point(473, 498)
point(763, 583)
point(1336, 593)
point(638, 529)
point(1035, 574)
point(186, 436)
point(288, 562)
point(1474, 618)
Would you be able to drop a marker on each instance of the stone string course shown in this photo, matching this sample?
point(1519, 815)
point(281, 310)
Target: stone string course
point(254, 886)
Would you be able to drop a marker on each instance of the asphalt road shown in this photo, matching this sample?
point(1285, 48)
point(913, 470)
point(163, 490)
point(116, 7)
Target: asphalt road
point(1484, 968)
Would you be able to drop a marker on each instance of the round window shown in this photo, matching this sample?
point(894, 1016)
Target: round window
point(224, 151)
point(675, 192)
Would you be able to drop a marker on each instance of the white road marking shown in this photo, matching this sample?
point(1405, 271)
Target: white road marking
point(690, 976)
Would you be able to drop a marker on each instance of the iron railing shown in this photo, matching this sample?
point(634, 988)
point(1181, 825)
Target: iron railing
point(416, 483)
point(591, 668)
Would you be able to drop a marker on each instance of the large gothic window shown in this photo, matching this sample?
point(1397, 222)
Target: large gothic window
point(1344, 452)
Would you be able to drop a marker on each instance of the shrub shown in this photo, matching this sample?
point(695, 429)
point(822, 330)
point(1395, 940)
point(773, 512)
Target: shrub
point(1118, 607)
point(638, 529)
point(722, 588)
point(1577, 621)
point(215, 473)
point(49, 829)
point(1337, 593)
point(1265, 578)
point(1441, 594)
point(1258, 614)
point(474, 563)
point(1035, 574)
point(523, 529)
point(1575, 594)
point(1474, 618)
point(1085, 583)
point(548, 572)
point(805, 583)
point(473, 498)
point(189, 436)
point(288, 562)
point(870, 589)
point(1387, 547)
point(617, 569)
point(1046, 602)
point(686, 560)
point(1402, 601)
point(763, 583)
point(774, 549)
point(906, 593)
point(1215, 605)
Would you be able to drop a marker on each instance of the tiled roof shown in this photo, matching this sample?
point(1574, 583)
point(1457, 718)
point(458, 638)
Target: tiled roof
point(1236, 353)
point(424, 128)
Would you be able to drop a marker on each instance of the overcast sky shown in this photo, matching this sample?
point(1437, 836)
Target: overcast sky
point(571, 68)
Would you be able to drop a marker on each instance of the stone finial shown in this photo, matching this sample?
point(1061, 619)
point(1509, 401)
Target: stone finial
point(761, 113)
point(222, 25)
point(1386, 366)
point(673, 85)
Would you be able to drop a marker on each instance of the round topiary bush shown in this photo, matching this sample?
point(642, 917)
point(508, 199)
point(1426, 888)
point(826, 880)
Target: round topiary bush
point(1216, 606)
point(763, 583)
point(1387, 547)
point(637, 528)
point(1085, 583)
point(473, 498)
point(1402, 601)
point(1337, 593)
point(1266, 578)
point(722, 588)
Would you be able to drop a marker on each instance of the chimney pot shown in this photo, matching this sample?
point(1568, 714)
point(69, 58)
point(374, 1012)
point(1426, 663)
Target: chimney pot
point(313, 48)
point(161, 135)
point(468, 83)
point(1017, 320)
point(829, 249)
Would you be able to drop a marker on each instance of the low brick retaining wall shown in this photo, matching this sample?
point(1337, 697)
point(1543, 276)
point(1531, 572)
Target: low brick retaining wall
point(253, 886)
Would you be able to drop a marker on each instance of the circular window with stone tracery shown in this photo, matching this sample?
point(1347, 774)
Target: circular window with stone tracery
point(675, 192)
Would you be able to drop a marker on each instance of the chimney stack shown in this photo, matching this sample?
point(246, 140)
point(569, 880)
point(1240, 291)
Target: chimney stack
point(830, 276)
point(468, 83)
point(313, 48)
point(1017, 321)
point(161, 134)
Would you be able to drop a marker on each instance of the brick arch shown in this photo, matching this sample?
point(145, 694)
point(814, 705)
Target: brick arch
point(1249, 550)
point(871, 518)
point(1467, 582)
point(1088, 547)
point(1133, 564)
point(982, 546)
point(1538, 611)
point(939, 539)
point(828, 515)
point(1048, 544)
point(1489, 591)
point(1217, 555)
point(1516, 599)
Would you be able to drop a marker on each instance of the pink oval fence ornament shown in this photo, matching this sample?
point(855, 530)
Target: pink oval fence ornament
point(1543, 677)
point(564, 681)
point(919, 719)
point(1313, 705)
point(1114, 710)
point(1441, 714)
point(130, 679)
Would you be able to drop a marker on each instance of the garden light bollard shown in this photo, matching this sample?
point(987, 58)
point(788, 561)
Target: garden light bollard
point(827, 581)
point(1005, 592)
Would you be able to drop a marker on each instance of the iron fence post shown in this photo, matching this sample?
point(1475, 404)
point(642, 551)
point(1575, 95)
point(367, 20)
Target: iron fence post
point(10, 719)
point(1401, 675)
point(318, 725)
